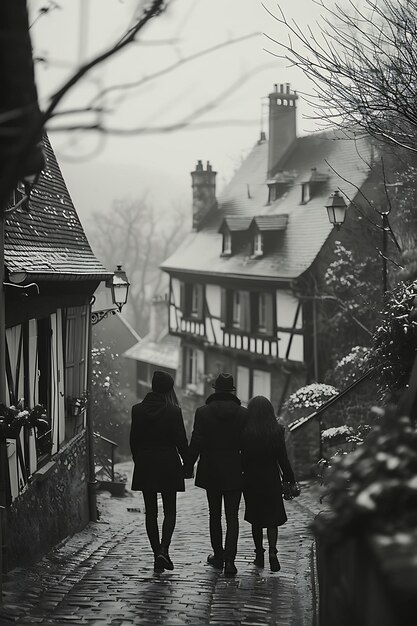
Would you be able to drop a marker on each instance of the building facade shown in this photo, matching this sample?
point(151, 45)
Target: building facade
point(51, 274)
point(242, 283)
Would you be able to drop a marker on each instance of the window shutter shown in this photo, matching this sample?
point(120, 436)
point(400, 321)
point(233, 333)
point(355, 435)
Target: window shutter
point(245, 311)
point(223, 306)
point(254, 313)
point(269, 314)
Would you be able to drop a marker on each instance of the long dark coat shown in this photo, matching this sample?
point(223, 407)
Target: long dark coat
point(216, 440)
point(262, 484)
point(157, 441)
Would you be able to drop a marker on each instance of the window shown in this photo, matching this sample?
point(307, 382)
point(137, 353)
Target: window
point(191, 300)
point(261, 383)
point(236, 309)
point(227, 243)
point(197, 301)
point(76, 352)
point(194, 370)
point(242, 383)
point(305, 193)
point(258, 244)
point(262, 311)
point(265, 313)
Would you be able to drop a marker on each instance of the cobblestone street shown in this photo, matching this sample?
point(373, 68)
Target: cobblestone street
point(104, 575)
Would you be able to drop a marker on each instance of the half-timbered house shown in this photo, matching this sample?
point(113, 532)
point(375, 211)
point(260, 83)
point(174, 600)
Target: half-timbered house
point(51, 274)
point(241, 282)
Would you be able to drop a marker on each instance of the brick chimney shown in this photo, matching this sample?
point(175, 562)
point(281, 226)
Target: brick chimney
point(282, 124)
point(204, 192)
point(158, 317)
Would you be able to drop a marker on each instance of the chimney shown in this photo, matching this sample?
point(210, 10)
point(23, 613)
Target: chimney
point(158, 317)
point(204, 192)
point(282, 124)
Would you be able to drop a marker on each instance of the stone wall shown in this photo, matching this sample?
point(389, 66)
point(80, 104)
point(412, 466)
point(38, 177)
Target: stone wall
point(54, 505)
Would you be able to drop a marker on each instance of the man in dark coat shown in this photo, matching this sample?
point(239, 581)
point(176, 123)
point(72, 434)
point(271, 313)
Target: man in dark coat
point(157, 441)
point(216, 440)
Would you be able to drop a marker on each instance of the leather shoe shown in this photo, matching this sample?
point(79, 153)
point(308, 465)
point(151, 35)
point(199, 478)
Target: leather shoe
point(215, 561)
point(230, 569)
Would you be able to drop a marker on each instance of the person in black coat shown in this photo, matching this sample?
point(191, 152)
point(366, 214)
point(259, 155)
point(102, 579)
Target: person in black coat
point(216, 440)
point(265, 459)
point(157, 441)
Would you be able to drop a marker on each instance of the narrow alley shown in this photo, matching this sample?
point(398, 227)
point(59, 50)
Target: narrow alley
point(104, 575)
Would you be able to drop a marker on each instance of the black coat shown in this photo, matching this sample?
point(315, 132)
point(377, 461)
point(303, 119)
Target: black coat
point(263, 468)
point(157, 440)
point(216, 440)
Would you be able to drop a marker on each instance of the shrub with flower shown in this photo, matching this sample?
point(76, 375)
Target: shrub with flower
point(374, 488)
point(349, 367)
point(310, 397)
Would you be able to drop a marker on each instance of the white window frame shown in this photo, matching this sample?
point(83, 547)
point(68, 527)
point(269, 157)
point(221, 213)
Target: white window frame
point(258, 244)
point(227, 242)
point(236, 310)
point(196, 294)
point(262, 312)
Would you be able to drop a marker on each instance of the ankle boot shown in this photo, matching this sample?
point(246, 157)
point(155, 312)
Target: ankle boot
point(273, 561)
point(163, 561)
point(259, 558)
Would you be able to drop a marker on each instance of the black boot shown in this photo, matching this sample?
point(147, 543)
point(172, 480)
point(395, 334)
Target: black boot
point(230, 569)
point(273, 560)
point(163, 561)
point(215, 561)
point(259, 558)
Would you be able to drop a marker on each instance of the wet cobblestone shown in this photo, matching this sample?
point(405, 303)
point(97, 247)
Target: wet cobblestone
point(104, 575)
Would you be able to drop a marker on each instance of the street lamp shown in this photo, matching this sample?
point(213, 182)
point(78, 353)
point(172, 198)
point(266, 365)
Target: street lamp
point(336, 209)
point(118, 285)
point(119, 288)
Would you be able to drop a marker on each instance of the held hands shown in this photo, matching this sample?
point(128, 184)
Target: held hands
point(290, 490)
point(188, 472)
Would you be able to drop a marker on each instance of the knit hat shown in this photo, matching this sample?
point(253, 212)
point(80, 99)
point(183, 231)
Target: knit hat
point(162, 382)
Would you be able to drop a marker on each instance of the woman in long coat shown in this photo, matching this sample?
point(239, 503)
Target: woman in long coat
point(264, 460)
point(158, 443)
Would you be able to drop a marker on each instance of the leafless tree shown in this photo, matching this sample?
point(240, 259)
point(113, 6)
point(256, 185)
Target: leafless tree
point(133, 234)
point(362, 61)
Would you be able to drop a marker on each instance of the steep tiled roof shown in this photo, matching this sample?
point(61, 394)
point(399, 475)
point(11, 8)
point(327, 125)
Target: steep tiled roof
point(271, 222)
point(235, 224)
point(308, 225)
point(163, 352)
point(49, 239)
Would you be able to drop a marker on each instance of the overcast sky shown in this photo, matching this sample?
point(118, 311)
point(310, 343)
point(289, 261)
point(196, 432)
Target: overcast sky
point(101, 168)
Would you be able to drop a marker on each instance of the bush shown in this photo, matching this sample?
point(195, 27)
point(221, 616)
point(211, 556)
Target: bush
point(394, 343)
point(349, 368)
point(310, 397)
point(374, 488)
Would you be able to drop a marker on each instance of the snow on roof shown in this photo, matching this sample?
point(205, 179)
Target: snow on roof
point(164, 352)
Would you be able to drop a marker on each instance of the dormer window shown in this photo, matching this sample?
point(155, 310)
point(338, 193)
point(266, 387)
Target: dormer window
point(313, 186)
point(227, 243)
point(305, 193)
point(258, 244)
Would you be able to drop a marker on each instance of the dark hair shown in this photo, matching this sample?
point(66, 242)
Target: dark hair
point(171, 398)
point(262, 429)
